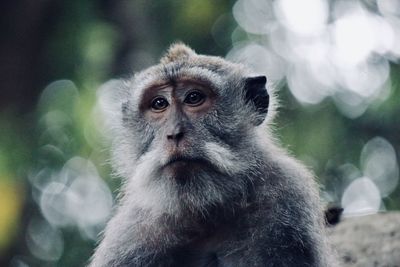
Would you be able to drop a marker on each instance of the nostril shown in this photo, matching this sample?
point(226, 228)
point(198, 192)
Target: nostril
point(178, 136)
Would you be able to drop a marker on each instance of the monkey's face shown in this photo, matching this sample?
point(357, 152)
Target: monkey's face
point(174, 111)
point(188, 131)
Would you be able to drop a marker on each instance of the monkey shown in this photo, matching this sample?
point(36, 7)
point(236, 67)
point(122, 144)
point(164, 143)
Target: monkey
point(205, 182)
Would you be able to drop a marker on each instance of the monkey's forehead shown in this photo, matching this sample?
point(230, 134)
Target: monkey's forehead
point(212, 71)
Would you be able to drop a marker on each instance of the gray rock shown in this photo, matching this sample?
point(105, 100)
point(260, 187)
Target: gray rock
point(368, 241)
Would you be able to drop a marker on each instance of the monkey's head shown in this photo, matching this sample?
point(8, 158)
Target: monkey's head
point(186, 134)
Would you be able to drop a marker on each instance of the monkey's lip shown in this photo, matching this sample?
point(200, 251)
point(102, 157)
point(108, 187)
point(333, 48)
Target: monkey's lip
point(178, 160)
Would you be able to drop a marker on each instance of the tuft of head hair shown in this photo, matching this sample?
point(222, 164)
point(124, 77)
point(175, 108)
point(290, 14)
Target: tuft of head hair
point(177, 52)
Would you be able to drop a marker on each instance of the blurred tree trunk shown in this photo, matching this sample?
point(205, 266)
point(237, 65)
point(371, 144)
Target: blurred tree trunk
point(368, 241)
point(24, 25)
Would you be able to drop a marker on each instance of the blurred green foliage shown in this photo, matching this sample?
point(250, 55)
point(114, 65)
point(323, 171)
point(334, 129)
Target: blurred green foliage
point(85, 43)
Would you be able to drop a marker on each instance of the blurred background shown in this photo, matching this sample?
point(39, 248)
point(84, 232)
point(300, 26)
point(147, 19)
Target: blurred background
point(335, 65)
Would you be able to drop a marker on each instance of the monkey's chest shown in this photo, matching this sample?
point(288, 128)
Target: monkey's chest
point(202, 253)
point(194, 257)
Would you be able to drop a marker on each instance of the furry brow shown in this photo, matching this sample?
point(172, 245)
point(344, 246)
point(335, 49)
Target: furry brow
point(177, 52)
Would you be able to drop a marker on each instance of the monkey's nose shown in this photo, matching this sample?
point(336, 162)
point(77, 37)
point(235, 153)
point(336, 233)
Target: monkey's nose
point(176, 134)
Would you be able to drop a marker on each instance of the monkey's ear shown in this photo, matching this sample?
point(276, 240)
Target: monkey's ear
point(177, 51)
point(257, 95)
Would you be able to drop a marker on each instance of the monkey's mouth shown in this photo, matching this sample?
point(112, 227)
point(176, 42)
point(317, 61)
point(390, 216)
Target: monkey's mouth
point(179, 161)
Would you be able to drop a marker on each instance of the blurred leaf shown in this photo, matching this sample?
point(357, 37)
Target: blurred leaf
point(11, 200)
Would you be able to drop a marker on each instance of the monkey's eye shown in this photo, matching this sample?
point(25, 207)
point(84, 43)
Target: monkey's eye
point(195, 98)
point(159, 104)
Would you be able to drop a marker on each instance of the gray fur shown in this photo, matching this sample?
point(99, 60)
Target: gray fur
point(256, 206)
